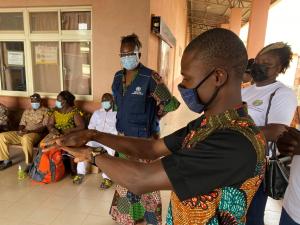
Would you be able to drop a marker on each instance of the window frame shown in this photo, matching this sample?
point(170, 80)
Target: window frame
point(27, 37)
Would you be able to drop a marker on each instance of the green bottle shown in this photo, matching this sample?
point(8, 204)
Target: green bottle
point(21, 173)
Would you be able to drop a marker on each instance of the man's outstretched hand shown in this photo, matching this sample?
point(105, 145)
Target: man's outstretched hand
point(74, 139)
point(80, 153)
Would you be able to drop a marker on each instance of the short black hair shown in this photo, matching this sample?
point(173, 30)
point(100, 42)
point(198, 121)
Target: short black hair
point(108, 95)
point(68, 96)
point(221, 48)
point(132, 39)
point(35, 96)
point(282, 50)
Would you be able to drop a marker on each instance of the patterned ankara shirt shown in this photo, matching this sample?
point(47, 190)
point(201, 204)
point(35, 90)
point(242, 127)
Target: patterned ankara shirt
point(216, 167)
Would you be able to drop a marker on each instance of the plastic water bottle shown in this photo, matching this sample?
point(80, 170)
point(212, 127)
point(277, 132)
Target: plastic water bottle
point(21, 173)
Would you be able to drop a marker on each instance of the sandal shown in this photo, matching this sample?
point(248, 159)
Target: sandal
point(5, 164)
point(106, 183)
point(78, 179)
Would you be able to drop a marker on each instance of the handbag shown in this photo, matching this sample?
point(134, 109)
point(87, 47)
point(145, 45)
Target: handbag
point(277, 174)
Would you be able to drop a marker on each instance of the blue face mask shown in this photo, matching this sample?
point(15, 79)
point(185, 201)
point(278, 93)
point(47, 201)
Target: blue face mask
point(106, 105)
point(58, 104)
point(191, 98)
point(130, 62)
point(35, 105)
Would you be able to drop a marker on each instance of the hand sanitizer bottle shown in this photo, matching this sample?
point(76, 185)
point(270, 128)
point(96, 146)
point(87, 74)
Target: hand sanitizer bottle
point(21, 173)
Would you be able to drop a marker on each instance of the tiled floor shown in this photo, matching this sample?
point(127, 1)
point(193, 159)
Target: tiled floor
point(62, 203)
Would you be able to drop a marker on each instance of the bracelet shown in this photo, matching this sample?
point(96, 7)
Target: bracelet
point(96, 152)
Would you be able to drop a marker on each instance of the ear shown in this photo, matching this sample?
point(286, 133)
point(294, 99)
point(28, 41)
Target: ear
point(221, 77)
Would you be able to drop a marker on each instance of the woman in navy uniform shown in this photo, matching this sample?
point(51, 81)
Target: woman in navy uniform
point(142, 99)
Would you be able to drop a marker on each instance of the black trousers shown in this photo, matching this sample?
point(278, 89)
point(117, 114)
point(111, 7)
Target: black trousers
point(256, 211)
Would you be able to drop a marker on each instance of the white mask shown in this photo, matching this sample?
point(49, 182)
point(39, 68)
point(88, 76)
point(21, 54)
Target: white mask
point(106, 105)
point(130, 62)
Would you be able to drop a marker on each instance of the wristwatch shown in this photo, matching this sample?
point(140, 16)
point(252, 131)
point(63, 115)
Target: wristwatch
point(95, 152)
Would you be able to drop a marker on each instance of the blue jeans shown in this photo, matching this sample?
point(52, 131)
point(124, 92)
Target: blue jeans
point(256, 211)
point(285, 219)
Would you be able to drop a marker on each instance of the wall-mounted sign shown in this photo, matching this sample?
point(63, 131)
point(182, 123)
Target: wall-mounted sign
point(45, 55)
point(82, 26)
point(159, 28)
point(15, 58)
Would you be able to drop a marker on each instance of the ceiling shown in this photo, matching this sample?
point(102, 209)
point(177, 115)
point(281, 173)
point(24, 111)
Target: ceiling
point(207, 14)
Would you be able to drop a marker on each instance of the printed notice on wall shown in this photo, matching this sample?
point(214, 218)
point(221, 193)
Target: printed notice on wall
point(45, 55)
point(82, 26)
point(15, 58)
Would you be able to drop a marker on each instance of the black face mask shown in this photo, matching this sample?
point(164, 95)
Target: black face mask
point(259, 72)
point(191, 98)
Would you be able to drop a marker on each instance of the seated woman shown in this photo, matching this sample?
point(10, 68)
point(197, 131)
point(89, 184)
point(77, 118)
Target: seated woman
point(65, 118)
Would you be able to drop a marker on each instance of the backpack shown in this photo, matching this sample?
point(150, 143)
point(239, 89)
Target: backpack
point(47, 166)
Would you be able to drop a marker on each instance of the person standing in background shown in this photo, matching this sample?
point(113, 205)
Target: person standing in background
point(142, 99)
point(268, 93)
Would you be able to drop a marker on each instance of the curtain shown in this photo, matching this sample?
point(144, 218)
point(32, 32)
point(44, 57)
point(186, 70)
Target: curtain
point(71, 20)
point(76, 63)
point(43, 21)
point(46, 76)
point(11, 21)
point(12, 76)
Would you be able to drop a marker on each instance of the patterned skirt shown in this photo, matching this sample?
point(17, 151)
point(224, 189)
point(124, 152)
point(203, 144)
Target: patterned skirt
point(130, 209)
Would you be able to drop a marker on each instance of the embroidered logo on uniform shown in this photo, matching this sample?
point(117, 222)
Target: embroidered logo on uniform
point(138, 91)
point(257, 102)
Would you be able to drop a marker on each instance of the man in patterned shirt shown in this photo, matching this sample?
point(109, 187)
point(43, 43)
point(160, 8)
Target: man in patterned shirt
point(215, 164)
point(3, 118)
point(32, 125)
